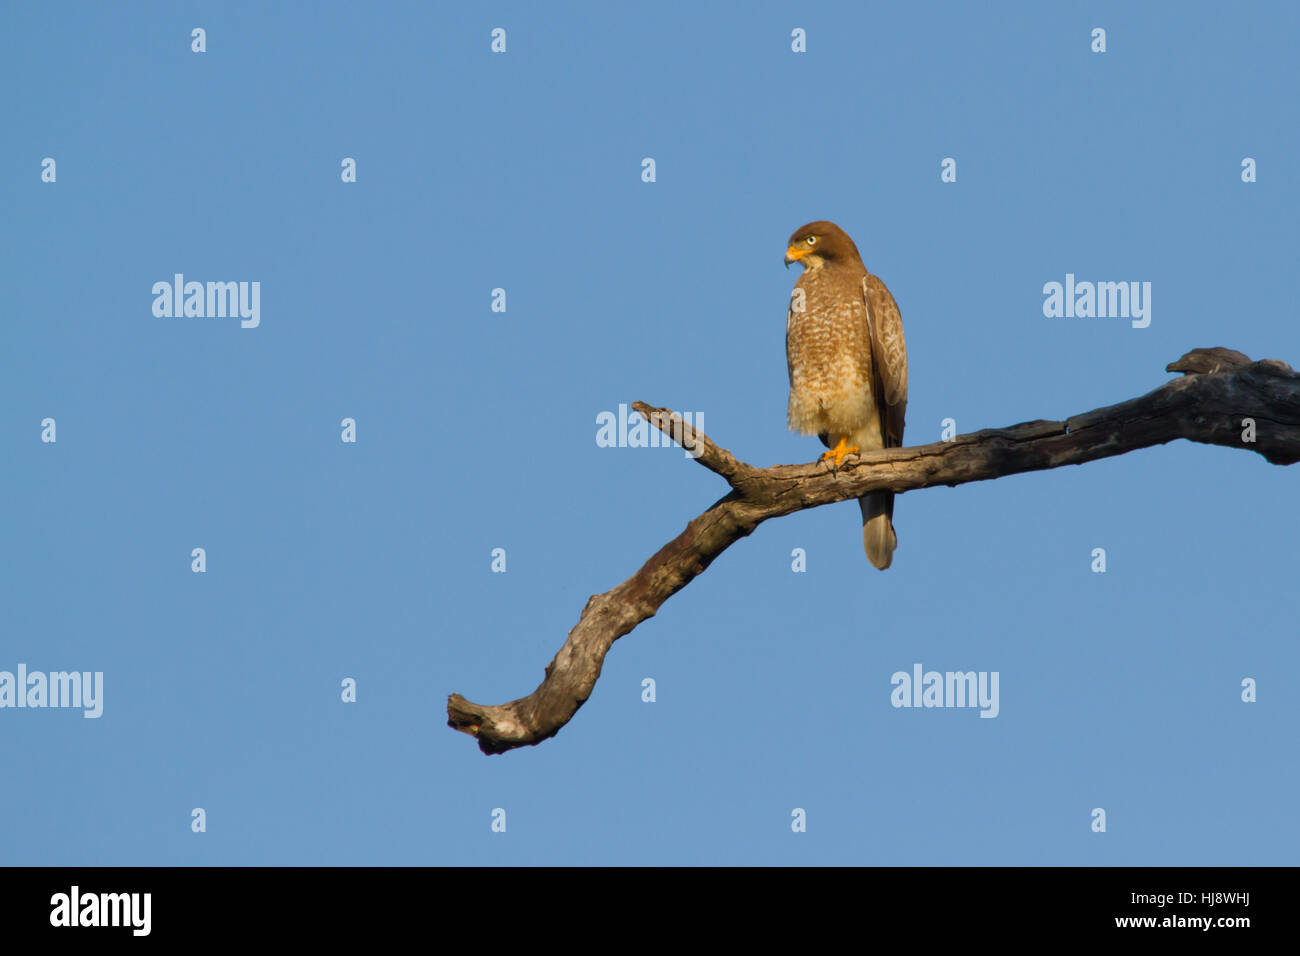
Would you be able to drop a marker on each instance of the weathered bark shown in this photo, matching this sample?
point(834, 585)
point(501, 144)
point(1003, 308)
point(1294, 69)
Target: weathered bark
point(1220, 388)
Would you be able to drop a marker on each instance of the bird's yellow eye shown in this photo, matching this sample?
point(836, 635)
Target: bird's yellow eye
point(811, 240)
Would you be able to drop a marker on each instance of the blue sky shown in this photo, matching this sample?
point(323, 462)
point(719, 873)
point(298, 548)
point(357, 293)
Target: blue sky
point(476, 430)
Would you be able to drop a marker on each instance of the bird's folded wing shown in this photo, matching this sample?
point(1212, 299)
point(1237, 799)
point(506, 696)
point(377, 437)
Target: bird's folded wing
point(888, 354)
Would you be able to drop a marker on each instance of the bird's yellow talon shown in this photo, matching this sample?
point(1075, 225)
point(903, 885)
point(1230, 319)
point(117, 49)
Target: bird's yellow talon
point(839, 453)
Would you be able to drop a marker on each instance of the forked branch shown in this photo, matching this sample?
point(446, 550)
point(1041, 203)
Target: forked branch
point(1220, 390)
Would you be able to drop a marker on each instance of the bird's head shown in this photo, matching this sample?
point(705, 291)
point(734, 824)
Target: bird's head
point(820, 242)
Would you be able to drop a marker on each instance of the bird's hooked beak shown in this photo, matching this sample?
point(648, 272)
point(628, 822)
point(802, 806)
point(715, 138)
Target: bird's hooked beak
point(794, 255)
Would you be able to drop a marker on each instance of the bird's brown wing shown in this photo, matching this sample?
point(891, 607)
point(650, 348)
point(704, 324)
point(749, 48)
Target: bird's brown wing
point(888, 358)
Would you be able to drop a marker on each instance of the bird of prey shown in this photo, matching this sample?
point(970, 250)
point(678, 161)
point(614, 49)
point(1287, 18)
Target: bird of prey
point(847, 363)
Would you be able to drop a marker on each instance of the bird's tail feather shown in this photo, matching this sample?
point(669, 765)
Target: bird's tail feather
point(878, 537)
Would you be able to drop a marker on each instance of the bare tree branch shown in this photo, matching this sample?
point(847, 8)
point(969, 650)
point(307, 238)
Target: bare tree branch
point(1220, 390)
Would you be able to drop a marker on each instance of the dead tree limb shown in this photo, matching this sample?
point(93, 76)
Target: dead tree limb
point(1220, 389)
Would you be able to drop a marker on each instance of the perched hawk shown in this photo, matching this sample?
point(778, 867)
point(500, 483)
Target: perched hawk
point(848, 364)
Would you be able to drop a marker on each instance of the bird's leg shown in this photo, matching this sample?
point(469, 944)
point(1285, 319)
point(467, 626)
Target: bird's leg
point(839, 452)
